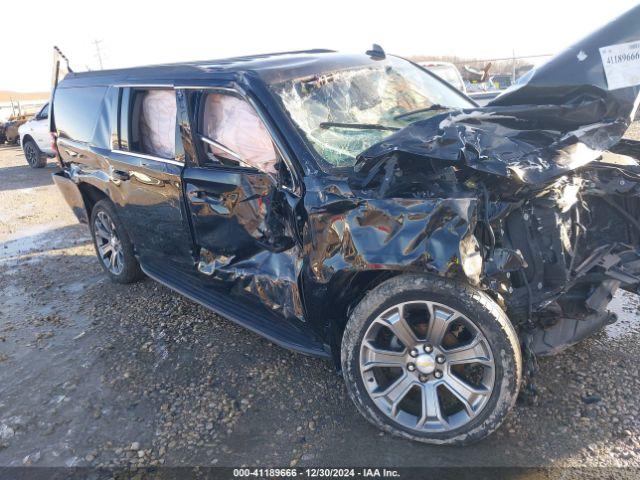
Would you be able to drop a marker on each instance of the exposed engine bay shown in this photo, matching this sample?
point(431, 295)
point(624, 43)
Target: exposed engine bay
point(558, 258)
point(552, 255)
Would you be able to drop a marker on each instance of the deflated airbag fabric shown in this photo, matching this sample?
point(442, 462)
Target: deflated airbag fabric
point(234, 123)
point(158, 123)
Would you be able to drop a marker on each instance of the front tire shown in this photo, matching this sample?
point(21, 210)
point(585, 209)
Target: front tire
point(34, 156)
point(112, 244)
point(431, 360)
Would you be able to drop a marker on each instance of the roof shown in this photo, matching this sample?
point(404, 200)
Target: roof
point(272, 68)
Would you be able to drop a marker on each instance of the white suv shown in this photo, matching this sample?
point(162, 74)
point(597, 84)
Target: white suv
point(36, 139)
point(448, 72)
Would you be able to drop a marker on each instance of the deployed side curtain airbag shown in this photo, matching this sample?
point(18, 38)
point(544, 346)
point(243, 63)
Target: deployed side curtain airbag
point(232, 122)
point(158, 123)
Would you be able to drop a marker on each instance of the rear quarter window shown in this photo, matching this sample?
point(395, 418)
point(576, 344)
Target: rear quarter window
point(76, 112)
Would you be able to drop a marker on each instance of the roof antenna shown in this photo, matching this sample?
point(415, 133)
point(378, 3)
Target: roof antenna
point(376, 52)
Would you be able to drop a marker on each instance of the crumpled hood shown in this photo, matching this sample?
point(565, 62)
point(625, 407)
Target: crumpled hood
point(560, 116)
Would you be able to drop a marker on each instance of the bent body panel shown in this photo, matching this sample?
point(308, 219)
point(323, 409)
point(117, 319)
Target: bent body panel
point(72, 195)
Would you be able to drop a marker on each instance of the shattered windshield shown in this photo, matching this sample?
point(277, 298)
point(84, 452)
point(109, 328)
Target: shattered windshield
point(344, 112)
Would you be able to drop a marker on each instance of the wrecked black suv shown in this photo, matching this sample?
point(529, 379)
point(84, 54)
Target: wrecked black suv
point(356, 207)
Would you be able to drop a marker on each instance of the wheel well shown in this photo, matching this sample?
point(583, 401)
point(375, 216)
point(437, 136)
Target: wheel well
point(91, 195)
point(345, 294)
point(25, 138)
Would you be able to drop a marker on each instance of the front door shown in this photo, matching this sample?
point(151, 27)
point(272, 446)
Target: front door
point(241, 202)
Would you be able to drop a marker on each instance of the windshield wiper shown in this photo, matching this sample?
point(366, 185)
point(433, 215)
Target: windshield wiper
point(359, 126)
point(435, 106)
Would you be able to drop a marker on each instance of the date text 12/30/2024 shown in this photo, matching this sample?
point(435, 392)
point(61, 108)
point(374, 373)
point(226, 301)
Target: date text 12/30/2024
point(315, 473)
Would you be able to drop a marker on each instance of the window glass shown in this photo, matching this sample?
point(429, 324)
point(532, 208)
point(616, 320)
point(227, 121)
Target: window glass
point(241, 137)
point(76, 112)
point(448, 73)
point(341, 113)
point(44, 113)
point(153, 123)
point(102, 132)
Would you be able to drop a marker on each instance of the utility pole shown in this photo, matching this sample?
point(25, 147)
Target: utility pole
point(98, 53)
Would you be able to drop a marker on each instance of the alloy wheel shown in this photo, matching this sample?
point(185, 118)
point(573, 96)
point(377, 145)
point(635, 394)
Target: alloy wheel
point(109, 246)
point(31, 153)
point(427, 366)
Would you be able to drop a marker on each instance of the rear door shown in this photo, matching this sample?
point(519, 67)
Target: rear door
point(146, 163)
point(241, 198)
point(123, 141)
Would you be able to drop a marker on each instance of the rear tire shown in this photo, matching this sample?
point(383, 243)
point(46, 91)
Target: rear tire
point(35, 158)
point(112, 244)
point(407, 347)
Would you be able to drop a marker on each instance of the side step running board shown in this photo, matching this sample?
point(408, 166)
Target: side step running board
point(277, 330)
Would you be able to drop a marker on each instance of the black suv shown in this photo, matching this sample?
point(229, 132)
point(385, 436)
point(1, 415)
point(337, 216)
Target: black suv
point(358, 208)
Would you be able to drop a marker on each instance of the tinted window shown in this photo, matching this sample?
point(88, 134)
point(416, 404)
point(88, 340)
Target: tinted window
point(102, 132)
point(76, 112)
point(152, 125)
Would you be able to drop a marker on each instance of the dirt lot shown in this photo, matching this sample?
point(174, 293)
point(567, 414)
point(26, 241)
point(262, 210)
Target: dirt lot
point(93, 373)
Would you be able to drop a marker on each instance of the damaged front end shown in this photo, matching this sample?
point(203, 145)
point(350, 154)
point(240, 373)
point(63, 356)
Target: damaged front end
point(534, 198)
point(563, 252)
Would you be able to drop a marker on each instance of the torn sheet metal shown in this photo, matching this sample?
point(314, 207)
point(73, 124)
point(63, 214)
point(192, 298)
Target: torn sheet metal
point(344, 236)
point(271, 277)
point(559, 117)
point(393, 234)
point(247, 231)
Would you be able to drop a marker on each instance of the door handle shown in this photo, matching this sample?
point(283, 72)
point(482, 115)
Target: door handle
point(196, 196)
point(200, 196)
point(214, 200)
point(120, 175)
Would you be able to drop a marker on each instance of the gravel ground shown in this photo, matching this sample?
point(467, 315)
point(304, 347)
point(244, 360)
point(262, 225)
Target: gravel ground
point(99, 374)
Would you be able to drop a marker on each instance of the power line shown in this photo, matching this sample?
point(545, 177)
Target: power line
point(98, 53)
point(503, 59)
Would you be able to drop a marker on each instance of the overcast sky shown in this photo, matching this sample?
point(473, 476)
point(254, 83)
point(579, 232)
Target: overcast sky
point(137, 33)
